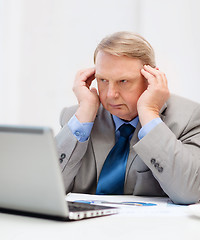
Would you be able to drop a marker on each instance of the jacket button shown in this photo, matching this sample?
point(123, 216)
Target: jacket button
point(153, 161)
point(156, 165)
point(160, 169)
point(62, 157)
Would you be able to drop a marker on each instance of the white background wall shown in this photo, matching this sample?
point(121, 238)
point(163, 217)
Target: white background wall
point(44, 42)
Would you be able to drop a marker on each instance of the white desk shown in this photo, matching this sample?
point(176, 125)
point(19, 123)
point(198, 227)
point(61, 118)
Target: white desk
point(122, 226)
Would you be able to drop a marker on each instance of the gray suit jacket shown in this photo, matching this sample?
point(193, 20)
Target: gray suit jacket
point(165, 162)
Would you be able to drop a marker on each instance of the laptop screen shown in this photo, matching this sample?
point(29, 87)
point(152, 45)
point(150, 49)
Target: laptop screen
point(30, 175)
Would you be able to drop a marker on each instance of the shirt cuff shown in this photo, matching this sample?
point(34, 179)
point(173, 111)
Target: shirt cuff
point(80, 130)
point(148, 127)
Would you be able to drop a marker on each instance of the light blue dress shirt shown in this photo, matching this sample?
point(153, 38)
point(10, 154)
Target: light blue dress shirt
point(119, 122)
point(82, 130)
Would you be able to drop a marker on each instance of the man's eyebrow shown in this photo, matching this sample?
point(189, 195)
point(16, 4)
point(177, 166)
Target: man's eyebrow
point(125, 77)
point(100, 77)
point(97, 75)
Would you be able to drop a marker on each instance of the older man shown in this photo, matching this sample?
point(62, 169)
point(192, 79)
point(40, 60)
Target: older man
point(130, 136)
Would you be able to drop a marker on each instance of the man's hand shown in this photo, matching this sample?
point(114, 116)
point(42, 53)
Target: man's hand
point(88, 99)
point(154, 97)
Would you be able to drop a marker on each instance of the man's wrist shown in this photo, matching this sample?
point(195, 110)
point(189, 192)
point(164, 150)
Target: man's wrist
point(86, 113)
point(147, 116)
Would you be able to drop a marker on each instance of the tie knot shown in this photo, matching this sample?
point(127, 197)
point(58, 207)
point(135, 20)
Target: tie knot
point(126, 130)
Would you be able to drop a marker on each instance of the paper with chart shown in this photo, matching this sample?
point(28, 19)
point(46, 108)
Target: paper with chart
point(134, 205)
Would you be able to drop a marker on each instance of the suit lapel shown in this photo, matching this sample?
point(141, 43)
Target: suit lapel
point(164, 107)
point(132, 154)
point(103, 137)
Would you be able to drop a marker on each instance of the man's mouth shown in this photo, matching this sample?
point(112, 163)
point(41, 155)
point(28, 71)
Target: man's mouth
point(116, 106)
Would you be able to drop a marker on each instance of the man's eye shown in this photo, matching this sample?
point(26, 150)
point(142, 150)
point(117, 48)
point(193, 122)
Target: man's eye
point(102, 80)
point(123, 81)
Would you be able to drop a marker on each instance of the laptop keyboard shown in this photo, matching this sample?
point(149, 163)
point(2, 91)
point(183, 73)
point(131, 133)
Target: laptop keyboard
point(79, 207)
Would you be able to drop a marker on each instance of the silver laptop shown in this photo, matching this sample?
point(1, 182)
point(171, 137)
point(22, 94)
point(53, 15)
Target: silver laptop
point(30, 177)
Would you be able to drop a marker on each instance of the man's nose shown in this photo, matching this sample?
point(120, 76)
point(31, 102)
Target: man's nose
point(112, 91)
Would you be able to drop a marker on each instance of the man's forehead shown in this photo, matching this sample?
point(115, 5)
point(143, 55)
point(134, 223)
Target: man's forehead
point(118, 75)
point(117, 67)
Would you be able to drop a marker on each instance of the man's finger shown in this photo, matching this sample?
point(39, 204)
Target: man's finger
point(149, 77)
point(160, 76)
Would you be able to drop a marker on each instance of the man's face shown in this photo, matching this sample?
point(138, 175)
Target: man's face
point(120, 84)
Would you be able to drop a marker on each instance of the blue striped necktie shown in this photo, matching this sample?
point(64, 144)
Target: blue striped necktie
point(112, 176)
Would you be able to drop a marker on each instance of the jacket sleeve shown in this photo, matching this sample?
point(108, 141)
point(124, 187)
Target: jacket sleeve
point(70, 150)
point(173, 155)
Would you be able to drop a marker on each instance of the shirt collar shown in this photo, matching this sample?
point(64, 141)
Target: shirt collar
point(118, 122)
